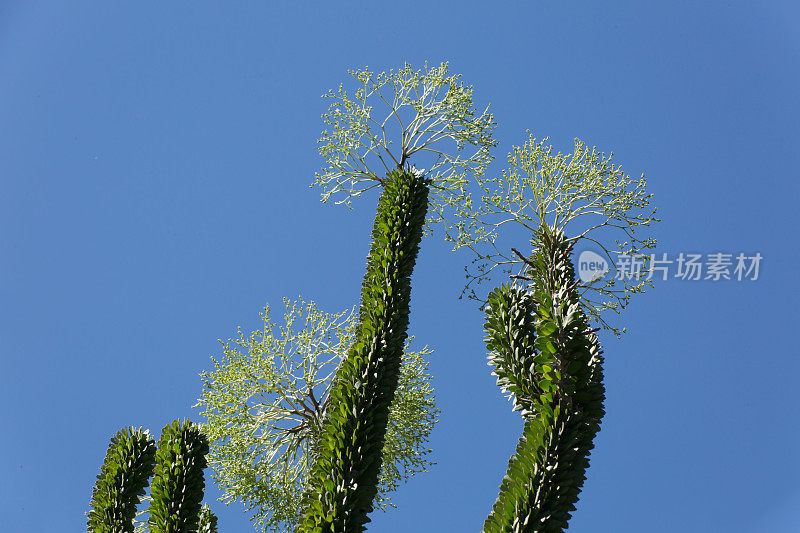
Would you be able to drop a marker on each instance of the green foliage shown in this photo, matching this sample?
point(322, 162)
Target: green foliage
point(546, 355)
point(178, 483)
point(392, 118)
point(584, 191)
point(343, 480)
point(263, 407)
point(122, 481)
point(412, 415)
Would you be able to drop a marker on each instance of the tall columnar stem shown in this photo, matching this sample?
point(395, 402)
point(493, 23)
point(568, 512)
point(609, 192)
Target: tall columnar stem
point(178, 482)
point(343, 480)
point(546, 355)
point(122, 481)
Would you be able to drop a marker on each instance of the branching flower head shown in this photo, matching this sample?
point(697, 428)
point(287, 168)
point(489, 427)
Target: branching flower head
point(544, 191)
point(394, 119)
point(265, 400)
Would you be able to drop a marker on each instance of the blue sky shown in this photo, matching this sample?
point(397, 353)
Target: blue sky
point(155, 163)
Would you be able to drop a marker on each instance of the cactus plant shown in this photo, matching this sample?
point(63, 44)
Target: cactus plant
point(343, 481)
point(176, 464)
point(547, 356)
point(543, 351)
point(178, 483)
point(350, 427)
point(426, 109)
point(122, 481)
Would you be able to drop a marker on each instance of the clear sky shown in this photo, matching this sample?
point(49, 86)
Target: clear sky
point(155, 163)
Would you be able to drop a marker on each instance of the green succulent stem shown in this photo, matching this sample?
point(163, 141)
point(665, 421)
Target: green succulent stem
point(343, 480)
point(122, 481)
point(208, 521)
point(178, 482)
point(549, 360)
point(176, 464)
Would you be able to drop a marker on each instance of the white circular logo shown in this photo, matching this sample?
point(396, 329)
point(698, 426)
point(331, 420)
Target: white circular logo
point(591, 266)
